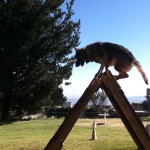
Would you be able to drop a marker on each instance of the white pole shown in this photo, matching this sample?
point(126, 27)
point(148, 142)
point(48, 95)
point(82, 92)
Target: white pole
point(105, 121)
point(94, 136)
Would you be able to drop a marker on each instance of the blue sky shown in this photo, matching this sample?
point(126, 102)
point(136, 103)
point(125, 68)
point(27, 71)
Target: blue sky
point(118, 21)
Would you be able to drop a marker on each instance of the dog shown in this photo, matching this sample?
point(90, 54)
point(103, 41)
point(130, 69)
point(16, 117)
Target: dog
point(109, 54)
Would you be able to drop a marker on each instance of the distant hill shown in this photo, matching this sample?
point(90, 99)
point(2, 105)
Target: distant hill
point(135, 99)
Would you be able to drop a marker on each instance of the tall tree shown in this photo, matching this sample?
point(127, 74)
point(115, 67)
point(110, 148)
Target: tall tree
point(36, 38)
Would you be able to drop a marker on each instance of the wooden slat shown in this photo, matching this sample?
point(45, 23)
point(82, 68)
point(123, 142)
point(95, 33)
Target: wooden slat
point(126, 112)
point(57, 140)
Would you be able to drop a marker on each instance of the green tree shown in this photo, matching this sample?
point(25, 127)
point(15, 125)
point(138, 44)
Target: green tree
point(146, 105)
point(36, 38)
point(97, 101)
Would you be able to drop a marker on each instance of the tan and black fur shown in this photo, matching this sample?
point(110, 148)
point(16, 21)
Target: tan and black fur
point(109, 54)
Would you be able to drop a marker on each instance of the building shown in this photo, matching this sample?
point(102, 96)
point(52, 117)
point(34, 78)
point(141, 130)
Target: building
point(137, 106)
point(68, 105)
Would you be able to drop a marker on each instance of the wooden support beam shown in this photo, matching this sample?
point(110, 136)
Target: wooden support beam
point(57, 140)
point(126, 112)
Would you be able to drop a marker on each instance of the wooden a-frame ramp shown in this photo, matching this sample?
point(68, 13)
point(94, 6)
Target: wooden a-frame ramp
point(115, 94)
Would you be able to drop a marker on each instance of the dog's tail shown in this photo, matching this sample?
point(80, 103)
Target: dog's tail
point(140, 69)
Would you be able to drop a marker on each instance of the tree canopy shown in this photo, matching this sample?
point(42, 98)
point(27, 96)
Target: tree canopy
point(97, 101)
point(36, 39)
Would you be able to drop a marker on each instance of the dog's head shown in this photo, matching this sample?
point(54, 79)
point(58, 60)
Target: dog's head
point(79, 57)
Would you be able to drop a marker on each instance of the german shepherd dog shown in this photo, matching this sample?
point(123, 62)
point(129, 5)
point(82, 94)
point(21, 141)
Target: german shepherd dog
point(109, 54)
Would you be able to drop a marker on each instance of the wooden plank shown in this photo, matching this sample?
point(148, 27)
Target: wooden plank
point(57, 140)
point(126, 112)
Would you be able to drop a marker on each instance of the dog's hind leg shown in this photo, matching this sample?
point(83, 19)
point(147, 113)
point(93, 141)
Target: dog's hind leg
point(121, 75)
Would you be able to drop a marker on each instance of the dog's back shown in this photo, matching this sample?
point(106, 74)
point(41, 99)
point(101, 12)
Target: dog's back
point(123, 57)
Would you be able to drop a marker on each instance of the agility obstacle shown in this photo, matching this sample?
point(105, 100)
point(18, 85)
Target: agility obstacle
point(115, 94)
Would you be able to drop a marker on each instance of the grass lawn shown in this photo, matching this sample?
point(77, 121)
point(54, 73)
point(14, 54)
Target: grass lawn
point(35, 134)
